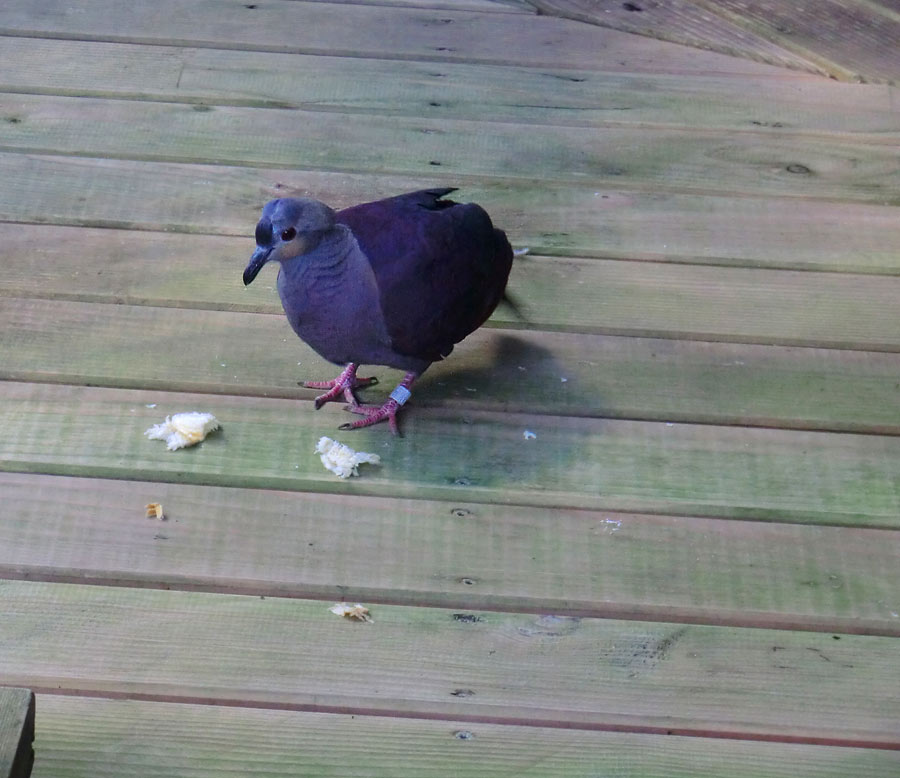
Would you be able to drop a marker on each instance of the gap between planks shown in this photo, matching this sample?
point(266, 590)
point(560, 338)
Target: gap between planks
point(566, 607)
point(618, 724)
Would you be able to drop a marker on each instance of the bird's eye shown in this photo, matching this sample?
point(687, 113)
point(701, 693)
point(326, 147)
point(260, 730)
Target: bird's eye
point(289, 234)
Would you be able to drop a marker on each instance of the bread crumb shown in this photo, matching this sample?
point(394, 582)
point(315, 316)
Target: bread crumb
point(342, 460)
point(358, 612)
point(183, 429)
point(155, 511)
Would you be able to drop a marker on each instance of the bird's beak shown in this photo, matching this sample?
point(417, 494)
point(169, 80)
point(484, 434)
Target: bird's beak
point(259, 258)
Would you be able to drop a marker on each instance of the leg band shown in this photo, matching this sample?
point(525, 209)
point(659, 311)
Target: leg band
point(400, 394)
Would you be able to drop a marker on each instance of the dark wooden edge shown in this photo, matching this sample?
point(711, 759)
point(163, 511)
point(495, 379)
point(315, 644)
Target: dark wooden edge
point(23, 760)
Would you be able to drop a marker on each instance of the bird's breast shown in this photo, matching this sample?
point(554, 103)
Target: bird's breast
point(332, 304)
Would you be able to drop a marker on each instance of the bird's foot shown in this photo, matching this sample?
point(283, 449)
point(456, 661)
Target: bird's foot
point(375, 413)
point(344, 384)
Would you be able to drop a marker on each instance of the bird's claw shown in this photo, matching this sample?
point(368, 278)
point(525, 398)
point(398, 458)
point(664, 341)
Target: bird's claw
point(374, 414)
point(345, 384)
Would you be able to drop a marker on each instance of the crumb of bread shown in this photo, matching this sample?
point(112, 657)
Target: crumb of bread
point(342, 460)
point(348, 611)
point(183, 429)
point(155, 511)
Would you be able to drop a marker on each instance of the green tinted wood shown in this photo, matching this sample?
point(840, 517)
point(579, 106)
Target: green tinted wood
point(455, 555)
point(519, 668)
point(699, 161)
point(368, 31)
point(453, 90)
point(143, 347)
point(551, 219)
point(457, 454)
point(95, 738)
point(581, 295)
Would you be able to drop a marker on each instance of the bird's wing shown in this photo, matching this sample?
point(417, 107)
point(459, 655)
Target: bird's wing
point(441, 267)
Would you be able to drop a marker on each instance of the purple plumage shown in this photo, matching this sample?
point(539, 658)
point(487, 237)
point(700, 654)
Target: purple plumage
point(394, 282)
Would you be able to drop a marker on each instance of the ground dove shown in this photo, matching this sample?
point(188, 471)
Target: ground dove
point(394, 282)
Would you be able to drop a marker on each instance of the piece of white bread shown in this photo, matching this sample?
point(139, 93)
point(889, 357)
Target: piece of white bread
point(342, 460)
point(183, 429)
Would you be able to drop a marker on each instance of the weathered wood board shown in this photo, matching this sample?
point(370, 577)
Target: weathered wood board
point(496, 369)
point(97, 737)
point(455, 454)
point(356, 30)
point(678, 21)
point(484, 93)
point(514, 668)
point(469, 555)
point(590, 296)
point(700, 161)
point(568, 220)
point(853, 40)
point(850, 39)
point(649, 528)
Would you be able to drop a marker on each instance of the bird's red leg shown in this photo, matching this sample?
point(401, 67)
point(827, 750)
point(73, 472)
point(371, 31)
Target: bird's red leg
point(375, 413)
point(344, 385)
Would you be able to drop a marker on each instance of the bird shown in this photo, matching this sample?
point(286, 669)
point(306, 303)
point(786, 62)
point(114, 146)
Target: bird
point(395, 282)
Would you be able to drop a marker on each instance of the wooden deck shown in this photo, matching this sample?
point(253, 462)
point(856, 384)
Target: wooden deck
point(692, 569)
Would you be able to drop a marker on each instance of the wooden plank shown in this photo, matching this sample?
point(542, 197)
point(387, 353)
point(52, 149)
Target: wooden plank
point(699, 161)
point(477, 456)
point(745, 305)
point(143, 347)
point(367, 31)
point(453, 91)
point(456, 555)
point(16, 732)
point(850, 39)
point(514, 668)
point(90, 737)
point(571, 219)
point(483, 6)
point(681, 22)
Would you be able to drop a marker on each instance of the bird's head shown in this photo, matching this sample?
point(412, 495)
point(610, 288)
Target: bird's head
point(289, 228)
